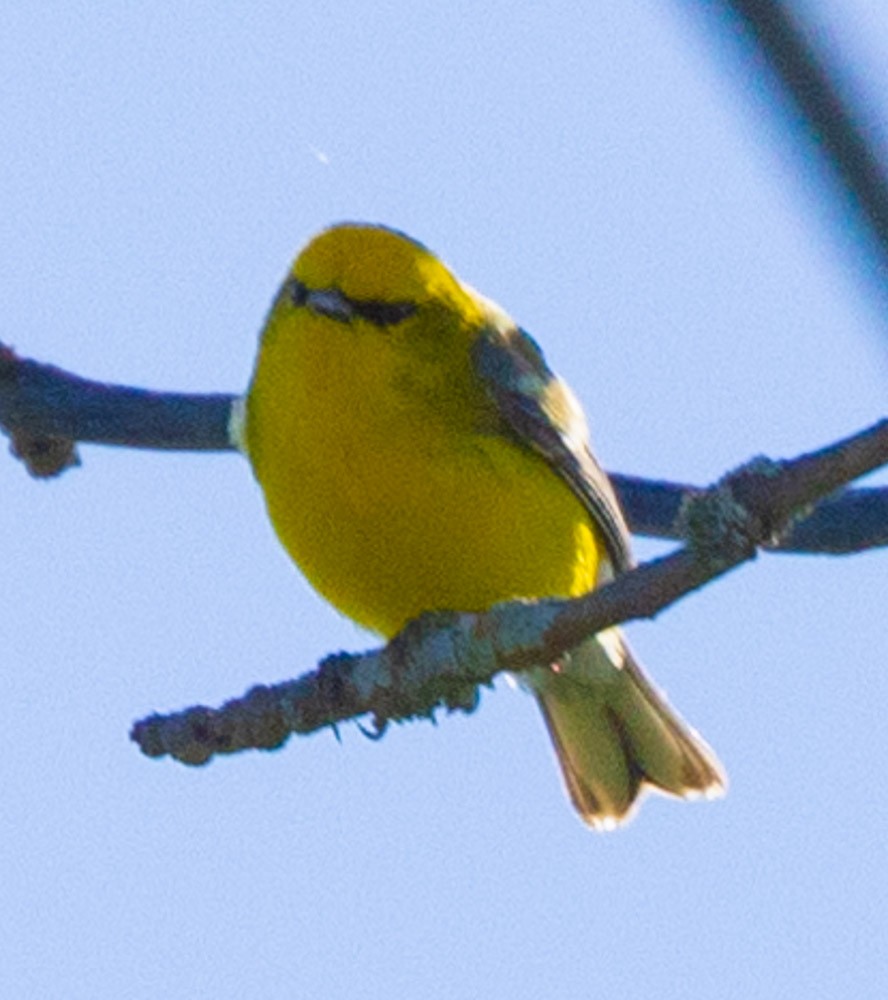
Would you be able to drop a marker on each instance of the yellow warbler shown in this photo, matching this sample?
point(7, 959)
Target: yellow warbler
point(416, 453)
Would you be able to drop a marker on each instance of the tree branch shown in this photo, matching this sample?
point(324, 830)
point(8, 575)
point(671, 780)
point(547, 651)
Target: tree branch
point(824, 117)
point(42, 401)
point(440, 659)
point(46, 411)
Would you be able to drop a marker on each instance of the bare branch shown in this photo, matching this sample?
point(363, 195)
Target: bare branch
point(40, 403)
point(823, 114)
point(440, 659)
point(46, 410)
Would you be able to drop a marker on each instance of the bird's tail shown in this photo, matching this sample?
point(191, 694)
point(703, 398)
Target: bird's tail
point(615, 735)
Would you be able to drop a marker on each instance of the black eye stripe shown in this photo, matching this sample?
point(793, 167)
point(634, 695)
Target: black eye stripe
point(337, 306)
point(383, 313)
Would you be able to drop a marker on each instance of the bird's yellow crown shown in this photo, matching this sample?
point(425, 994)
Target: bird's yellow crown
point(377, 264)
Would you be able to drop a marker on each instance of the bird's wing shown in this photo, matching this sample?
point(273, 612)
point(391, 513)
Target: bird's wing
point(541, 412)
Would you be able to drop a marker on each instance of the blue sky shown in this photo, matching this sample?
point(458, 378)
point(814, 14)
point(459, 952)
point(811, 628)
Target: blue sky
point(615, 176)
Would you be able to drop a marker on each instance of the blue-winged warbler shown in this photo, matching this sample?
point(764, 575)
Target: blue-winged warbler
point(416, 453)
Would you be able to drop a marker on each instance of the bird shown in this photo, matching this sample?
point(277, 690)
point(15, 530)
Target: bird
point(416, 453)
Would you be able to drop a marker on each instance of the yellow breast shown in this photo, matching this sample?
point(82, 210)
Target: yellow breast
point(386, 491)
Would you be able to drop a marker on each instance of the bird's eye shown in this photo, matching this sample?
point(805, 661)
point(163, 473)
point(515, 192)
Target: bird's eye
point(298, 293)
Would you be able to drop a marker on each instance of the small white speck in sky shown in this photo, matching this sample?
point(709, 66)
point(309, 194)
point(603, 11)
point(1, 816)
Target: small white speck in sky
point(319, 155)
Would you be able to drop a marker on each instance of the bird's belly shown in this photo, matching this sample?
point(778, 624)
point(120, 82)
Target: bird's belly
point(385, 530)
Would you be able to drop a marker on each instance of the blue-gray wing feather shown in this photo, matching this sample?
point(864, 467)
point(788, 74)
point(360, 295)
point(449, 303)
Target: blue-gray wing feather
point(539, 411)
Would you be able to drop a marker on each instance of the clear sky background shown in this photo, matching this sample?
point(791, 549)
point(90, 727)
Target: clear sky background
point(615, 176)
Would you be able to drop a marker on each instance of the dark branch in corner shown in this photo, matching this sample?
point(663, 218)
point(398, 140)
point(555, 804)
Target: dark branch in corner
point(46, 411)
point(826, 117)
point(440, 659)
